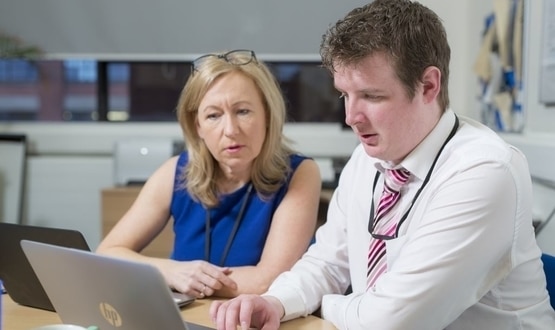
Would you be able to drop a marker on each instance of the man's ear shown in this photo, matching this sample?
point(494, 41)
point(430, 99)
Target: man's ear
point(431, 84)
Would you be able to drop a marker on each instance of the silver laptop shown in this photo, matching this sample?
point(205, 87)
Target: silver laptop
point(88, 289)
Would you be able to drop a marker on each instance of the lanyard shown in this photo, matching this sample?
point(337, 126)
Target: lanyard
point(238, 220)
point(370, 221)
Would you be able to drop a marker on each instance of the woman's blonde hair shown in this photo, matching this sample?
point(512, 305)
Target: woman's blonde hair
point(271, 168)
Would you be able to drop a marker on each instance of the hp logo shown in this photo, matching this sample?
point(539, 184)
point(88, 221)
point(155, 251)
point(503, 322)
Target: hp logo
point(110, 314)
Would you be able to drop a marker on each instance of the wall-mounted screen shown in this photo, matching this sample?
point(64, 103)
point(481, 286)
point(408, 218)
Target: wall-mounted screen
point(154, 88)
point(309, 92)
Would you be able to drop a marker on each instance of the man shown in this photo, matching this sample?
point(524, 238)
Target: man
point(449, 244)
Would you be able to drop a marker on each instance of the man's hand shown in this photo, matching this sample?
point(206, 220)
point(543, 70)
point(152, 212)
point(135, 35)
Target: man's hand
point(247, 311)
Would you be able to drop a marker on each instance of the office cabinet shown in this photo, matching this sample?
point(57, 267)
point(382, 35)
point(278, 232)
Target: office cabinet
point(115, 202)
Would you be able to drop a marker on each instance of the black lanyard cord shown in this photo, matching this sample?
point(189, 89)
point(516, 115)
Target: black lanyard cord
point(231, 237)
point(451, 134)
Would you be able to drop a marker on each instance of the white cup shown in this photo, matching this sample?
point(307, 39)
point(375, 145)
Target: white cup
point(63, 327)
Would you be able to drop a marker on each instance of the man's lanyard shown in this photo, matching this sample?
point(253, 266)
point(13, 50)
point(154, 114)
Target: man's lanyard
point(371, 219)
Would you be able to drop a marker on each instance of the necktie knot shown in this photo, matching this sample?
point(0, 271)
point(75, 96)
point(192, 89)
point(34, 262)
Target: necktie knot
point(396, 179)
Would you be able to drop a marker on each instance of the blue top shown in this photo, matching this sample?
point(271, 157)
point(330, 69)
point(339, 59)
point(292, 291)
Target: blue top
point(190, 218)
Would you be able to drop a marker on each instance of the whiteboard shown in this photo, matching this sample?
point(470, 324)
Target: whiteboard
point(547, 76)
point(12, 177)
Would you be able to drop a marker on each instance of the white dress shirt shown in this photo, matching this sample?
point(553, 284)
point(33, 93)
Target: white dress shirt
point(466, 256)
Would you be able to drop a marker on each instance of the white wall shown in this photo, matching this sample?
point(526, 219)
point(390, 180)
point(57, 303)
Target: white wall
point(162, 28)
point(69, 164)
point(540, 117)
point(64, 191)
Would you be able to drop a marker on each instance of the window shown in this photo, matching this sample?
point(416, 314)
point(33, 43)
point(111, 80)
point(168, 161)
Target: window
point(18, 99)
point(90, 90)
point(80, 71)
point(17, 71)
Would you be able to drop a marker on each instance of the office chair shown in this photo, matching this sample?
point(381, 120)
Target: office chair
point(549, 268)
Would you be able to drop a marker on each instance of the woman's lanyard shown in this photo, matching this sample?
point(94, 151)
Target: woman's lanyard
point(231, 237)
point(451, 134)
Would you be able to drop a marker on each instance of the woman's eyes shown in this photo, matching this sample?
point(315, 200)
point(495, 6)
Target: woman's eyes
point(216, 115)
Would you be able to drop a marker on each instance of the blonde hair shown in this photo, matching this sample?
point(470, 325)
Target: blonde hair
point(270, 168)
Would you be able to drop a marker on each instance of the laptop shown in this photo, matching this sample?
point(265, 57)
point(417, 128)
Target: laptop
point(89, 289)
point(18, 277)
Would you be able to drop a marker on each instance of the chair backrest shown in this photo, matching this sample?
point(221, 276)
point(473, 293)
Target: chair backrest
point(549, 268)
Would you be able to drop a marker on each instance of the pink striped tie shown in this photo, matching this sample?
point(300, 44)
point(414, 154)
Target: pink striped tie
point(384, 223)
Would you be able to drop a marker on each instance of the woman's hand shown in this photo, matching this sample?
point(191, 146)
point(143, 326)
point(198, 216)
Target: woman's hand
point(196, 278)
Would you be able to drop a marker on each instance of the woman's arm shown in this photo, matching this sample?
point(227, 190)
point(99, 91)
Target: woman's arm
point(291, 231)
point(145, 219)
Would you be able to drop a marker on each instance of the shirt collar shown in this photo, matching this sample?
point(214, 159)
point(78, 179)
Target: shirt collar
point(420, 159)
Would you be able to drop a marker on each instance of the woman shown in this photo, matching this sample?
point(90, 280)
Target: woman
point(244, 205)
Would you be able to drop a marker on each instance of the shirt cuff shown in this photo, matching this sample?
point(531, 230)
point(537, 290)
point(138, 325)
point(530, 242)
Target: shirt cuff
point(334, 309)
point(293, 303)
